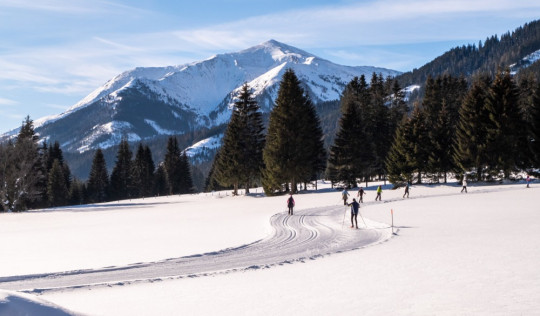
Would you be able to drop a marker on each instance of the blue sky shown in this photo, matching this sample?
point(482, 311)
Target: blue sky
point(55, 52)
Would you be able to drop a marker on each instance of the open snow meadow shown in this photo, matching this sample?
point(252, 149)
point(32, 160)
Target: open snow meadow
point(452, 253)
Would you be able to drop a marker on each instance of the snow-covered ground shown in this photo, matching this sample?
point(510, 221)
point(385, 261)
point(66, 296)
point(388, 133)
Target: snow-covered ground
point(454, 254)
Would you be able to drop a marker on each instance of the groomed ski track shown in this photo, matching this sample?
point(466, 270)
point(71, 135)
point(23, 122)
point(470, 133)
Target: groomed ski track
point(306, 235)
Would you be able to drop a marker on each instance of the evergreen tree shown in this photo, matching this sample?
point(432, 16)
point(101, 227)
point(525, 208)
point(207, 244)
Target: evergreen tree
point(379, 130)
point(142, 173)
point(440, 157)
point(171, 164)
point(534, 130)
point(399, 163)
point(186, 183)
point(56, 190)
point(471, 130)
point(240, 158)
point(121, 177)
point(76, 193)
point(419, 156)
point(161, 186)
point(506, 137)
point(211, 183)
point(313, 145)
point(291, 152)
point(54, 153)
point(98, 181)
point(28, 172)
point(150, 171)
point(27, 131)
point(398, 106)
point(351, 154)
point(527, 87)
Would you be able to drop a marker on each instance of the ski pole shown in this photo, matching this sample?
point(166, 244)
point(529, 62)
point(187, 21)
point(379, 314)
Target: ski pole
point(362, 217)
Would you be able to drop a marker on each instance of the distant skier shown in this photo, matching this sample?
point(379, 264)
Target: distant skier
point(290, 204)
point(360, 195)
point(464, 183)
point(344, 196)
point(528, 180)
point(354, 213)
point(406, 190)
point(379, 192)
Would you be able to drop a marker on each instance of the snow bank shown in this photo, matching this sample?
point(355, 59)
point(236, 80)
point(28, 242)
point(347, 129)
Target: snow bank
point(15, 304)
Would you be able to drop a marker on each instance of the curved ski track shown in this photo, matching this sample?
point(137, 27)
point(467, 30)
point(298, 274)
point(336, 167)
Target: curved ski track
point(306, 235)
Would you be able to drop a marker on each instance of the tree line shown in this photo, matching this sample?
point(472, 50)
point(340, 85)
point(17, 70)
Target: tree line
point(33, 174)
point(485, 57)
point(488, 131)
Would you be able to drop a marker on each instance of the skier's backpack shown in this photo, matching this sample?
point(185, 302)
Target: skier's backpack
point(290, 202)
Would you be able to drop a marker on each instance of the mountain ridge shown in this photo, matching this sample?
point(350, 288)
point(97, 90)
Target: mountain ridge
point(144, 102)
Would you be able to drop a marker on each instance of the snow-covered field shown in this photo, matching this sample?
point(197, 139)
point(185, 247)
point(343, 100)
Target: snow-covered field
point(453, 254)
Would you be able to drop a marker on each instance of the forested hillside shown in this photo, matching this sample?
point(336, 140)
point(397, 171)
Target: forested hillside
point(485, 57)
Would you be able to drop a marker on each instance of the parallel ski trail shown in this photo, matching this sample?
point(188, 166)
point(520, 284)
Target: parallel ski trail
point(306, 235)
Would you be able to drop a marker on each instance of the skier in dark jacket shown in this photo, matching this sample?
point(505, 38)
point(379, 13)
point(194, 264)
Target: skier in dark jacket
point(354, 213)
point(360, 195)
point(290, 204)
point(406, 191)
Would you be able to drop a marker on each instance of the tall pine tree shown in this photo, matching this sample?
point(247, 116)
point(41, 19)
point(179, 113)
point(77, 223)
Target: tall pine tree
point(293, 143)
point(57, 190)
point(186, 183)
point(121, 175)
point(98, 181)
point(240, 158)
point(506, 137)
point(29, 171)
point(534, 131)
point(352, 153)
point(161, 183)
point(399, 163)
point(142, 172)
point(419, 156)
point(471, 130)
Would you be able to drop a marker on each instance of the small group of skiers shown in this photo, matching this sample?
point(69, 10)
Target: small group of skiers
point(360, 195)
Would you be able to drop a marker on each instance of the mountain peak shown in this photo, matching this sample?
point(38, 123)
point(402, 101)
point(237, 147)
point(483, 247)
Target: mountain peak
point(148, 101)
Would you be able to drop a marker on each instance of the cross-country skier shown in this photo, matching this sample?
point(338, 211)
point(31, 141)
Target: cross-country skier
point(379, 192)
point(406, 190)
point(344, 196)
point(464, 183)
point(290, 204)
point(528, 180)
point(360, 195)
point(354, 213)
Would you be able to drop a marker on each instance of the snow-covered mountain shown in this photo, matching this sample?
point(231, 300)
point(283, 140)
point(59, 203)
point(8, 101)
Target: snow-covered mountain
point(144, 102)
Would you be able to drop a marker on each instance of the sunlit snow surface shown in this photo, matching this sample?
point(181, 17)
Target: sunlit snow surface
point(453, 253)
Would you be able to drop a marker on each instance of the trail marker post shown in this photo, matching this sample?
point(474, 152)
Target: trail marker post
point(392, 212)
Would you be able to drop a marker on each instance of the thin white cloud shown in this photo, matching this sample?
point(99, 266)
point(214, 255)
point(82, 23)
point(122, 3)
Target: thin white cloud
point(371, 23)
point(8, 102)
point(77, 68)
point(70, 6)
